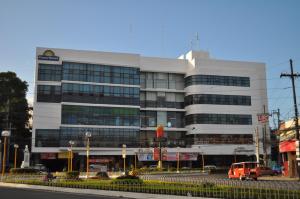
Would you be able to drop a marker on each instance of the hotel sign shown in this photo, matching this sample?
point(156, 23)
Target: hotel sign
point(48, 55)
point(263, 117)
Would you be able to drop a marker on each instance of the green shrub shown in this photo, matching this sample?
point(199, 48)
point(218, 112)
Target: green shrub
point(208, 185)
point(23, 171)
point(172, 169)
point(127, 179)
point(72, 175)
point(101, 176)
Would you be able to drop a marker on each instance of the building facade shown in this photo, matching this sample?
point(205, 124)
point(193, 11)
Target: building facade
point(288, 146)
point(207, 105)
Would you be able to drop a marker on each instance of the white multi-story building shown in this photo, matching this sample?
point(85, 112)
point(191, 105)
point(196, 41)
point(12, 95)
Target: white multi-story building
point(207, 105)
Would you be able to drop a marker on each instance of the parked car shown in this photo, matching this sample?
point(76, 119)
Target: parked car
point(277, 169)
point(153, 167)
point(243, 170)
point(210, 168)
point(40, 168)
point(266, 171)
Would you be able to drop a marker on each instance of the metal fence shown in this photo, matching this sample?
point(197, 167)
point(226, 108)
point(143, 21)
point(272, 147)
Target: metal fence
point(189, 186)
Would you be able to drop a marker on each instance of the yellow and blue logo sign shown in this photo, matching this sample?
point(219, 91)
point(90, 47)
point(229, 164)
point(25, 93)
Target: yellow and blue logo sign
point(48, 55)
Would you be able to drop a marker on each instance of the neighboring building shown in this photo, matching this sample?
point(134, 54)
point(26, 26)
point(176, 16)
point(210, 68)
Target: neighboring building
point(207, 106)
point(287, 148)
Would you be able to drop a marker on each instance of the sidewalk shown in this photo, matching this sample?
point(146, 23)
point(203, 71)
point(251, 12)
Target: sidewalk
point(97, 192)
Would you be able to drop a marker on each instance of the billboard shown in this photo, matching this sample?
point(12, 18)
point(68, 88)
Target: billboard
point(153, 155)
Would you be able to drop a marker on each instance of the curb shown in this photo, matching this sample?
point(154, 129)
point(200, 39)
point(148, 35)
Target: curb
point(96, 192)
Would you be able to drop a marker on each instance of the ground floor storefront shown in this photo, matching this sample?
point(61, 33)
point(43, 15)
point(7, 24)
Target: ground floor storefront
point(288, 156)
point(59, 161)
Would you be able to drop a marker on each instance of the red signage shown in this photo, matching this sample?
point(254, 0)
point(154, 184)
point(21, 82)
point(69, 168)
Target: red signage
point(263, 118)
point(156, 154)
point(48, 156)
point(101, 160)
point(287, 146)
point(160, 131)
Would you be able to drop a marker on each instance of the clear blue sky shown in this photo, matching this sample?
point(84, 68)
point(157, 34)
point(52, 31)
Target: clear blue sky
point(257, 30)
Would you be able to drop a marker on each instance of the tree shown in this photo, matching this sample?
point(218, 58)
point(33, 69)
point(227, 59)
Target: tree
point(14, 108)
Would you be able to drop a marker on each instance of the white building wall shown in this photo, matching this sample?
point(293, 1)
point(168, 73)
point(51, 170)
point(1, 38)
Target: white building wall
point(48, 115)
point(200, 63)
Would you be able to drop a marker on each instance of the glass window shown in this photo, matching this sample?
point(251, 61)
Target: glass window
point(47, 137)
point(99, 73)
point(205, 118)
point(162, 118)
point(170, 97)
point(110, 116)
point(47, 93)
point(49, 72)
point(223, 139)
point(218, 99)
point(217, 80)
point(150, 96)
point(101, 137)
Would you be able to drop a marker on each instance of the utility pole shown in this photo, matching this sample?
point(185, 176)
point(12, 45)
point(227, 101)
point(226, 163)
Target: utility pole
point(292, 75)
point(8, 128)
point(257, 145)
point(265, 140)
point(278, 131)
point(278, 119)
point(263, 118)
point(277, 113)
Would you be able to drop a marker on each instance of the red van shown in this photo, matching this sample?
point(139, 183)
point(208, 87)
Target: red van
point(243, 170)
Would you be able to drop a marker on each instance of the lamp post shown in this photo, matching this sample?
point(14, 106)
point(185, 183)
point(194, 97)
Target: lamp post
point(203, 163)
point(88, 135)
point(124, 157)
point(0, 153)
point(16, 153)
point(159, 136)
point(71, 142)
point(178, 159)
point(5, 134)
point(135, 160)
point(202, 155)
point(234, 153)
point(69, 158)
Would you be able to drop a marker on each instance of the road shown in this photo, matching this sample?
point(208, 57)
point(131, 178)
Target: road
point(17, 193)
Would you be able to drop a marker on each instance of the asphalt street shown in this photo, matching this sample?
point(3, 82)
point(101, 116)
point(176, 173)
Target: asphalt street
point(17, 193)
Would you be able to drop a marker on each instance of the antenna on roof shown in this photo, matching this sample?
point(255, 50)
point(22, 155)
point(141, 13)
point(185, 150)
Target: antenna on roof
point(195, 44)
point(163, 40)
point(197, 41)
point(131, 39)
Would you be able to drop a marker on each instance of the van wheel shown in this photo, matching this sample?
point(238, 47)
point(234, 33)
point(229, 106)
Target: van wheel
point(242, 178)
point(255, 179)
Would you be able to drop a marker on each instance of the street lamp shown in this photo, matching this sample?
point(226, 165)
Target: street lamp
point(135, 159)
point(178, 158)
point(124, 157)
point(0, 153)
point(201, 151)
point(5, 134)
point(71, 142)
point(88, 135)
point(16, 152)
point(159, 136)
point(202, 155)
point(235, 151)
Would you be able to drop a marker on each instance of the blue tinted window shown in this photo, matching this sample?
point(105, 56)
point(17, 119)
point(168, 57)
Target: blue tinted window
point(217, 80)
